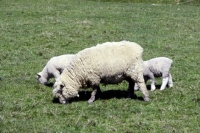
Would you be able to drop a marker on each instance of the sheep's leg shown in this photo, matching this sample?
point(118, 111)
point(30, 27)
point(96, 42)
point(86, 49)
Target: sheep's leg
point(143, 89)
point(164, 83)
point(136, 75)
point(131, 85)
point(92, 98)
point(141, 84)
point(136, 87)
point(170, 82)
point(95, 91)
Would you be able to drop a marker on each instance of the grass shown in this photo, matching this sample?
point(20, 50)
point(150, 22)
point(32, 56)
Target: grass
point(32, 32)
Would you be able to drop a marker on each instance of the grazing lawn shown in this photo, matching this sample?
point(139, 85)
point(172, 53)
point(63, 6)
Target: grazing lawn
point(33, 31)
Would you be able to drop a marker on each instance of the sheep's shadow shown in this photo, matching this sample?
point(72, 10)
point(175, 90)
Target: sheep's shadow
point(104, 95)
point(49, 85)
point(84, 95)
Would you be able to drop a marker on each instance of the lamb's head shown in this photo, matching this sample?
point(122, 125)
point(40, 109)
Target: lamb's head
point(63, 92)
point(41, 79)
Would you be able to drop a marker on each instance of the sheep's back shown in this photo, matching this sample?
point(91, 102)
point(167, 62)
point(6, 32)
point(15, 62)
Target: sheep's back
point(110, 57)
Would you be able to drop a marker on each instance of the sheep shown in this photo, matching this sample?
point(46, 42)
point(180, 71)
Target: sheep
point(109, 63)
point(157, 67)
point(54, 68)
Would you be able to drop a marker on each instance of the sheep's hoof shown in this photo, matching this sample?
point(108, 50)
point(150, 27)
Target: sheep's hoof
point(162, 89)
point(90, 101)
point(136, 88)
point(153, 89)
point(146, 99)
point(64, 102)
point(170, 86)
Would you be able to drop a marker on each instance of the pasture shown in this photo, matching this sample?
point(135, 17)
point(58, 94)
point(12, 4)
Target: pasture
point(33, 31)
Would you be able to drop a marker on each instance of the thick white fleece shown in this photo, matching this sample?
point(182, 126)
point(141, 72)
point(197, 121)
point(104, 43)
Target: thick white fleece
point(110, 60)
point(54, 68)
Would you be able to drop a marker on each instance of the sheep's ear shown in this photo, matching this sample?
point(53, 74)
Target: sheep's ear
point(62, 85)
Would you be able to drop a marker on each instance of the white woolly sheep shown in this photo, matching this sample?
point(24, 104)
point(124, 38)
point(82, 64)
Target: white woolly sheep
point(108, 63)
point(54, 68)
point(157, 67)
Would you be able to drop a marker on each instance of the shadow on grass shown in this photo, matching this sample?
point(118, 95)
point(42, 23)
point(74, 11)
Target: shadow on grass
point(49, 85)
point(105, 95)
point(84, 95)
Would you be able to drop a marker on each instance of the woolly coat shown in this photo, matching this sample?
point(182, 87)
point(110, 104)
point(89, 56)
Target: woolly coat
point(114, 61)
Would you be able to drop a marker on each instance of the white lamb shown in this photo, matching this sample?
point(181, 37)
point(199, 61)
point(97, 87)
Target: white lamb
point(108, 63)
point(157, 67)
point(54, 68)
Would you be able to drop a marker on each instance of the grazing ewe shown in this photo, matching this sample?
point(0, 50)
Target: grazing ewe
point(108, 63)
point(54, 68)
point(157, 67)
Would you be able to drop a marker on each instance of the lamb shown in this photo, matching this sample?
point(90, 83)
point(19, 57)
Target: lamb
point(109, 63)
point(54, 68)
point(157, 67)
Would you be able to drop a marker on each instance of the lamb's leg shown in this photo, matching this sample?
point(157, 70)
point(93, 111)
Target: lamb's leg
point(56, 74)
point(152, 82)
point(136, 87)
point(153, 87)
point(164, 83)
point(170, 82)
point(96, 90)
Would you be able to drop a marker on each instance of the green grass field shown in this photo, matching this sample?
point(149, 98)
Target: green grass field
point(33, 31)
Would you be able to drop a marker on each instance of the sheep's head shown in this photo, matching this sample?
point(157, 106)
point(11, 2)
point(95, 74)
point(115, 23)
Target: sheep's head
point(41, 79)
point(64, 93)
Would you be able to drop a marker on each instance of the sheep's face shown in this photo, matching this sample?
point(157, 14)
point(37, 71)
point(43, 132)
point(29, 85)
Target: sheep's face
point(63, 93)
point(41, 79)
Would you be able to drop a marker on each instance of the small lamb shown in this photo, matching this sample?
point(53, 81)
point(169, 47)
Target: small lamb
point(54, 68)
point(157, 67)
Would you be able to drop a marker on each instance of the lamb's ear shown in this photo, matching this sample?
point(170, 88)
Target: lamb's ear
point(38, 75)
